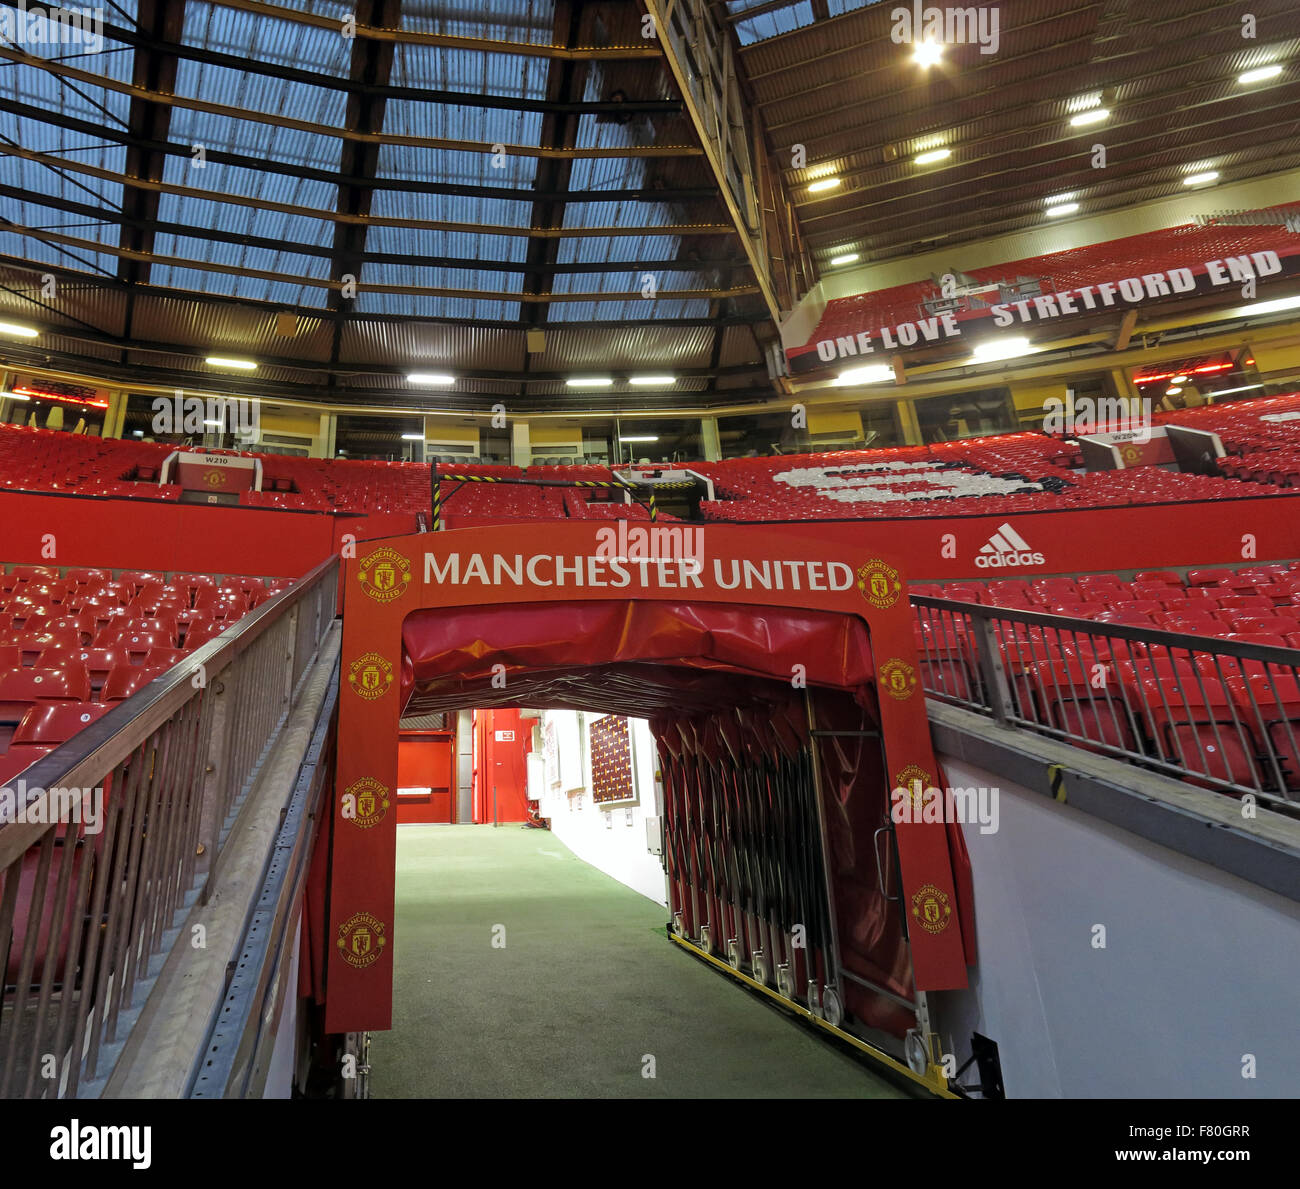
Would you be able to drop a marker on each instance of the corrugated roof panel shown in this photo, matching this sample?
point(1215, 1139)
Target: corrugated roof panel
point(408, 346)
point(244, 220)
point(627, 347)
point(438, 68)
point(257, 93)
point(37, 177)
point(628, 311)
point(416, 117)
point(420, 306)
point(24, 247)
point(250, 183)
point(409, 163)
point(618, 214)
point(28, 83)
point(617, 249)
point(461, 244)
point(289, 264)
point(506, 20)
point(770, 24)
point(267, 39)
point(451, 208)
point(254, 288)
point(236, 329)
point(441, 278)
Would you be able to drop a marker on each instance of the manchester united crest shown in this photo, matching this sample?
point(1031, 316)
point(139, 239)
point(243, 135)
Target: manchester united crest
point(879, 583)
point(931, 908)
point(365, 802)
point(385, 575)
point(370, 676)
point(898, 679)
point(916, 780)
point(361, 940)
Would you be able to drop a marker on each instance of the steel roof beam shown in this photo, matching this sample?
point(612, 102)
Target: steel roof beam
point(146, 122)
point(75, 278)
point(332, 216)
point(448, 40)
point(311, 173)
point(480, 264)
point(372, 63)
point(66, 73)
point(330, 82)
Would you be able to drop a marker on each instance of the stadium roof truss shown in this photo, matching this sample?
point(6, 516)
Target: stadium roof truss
point(348, 193)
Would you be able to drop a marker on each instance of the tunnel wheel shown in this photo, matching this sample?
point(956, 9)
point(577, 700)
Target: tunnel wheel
point(784, 981)
point(918, 1059)
point(760, 968)
point(679, 929)
point(733, 954)
point(832, 1007)
point(814, 998)
point(706, 939)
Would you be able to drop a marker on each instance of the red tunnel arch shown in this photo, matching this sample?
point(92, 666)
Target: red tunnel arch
point(667, 625)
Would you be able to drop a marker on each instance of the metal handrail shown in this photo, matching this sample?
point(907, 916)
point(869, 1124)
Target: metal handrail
point(110, 739)
point(1219, 714)
point(169, 769)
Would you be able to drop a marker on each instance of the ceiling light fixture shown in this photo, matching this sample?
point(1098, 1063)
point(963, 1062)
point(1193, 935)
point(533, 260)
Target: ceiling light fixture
point(1270, 307)
point(1260, 74)
point(1093, 116)
point(1000, 349)
point(413, 437)
point(1197, 179)
point(244, 365)
point(431, 379)
point(589, 381)
point(874, 374)
point(1066, 208)
point(18, 332)
point(927, 53)
point(845, 258)
point(652, 380)
point(823, 184)
point(931, 156)
point(623, 437)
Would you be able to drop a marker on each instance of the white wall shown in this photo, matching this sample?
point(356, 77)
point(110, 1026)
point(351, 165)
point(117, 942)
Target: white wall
point(1199, 968)
point(613, 840)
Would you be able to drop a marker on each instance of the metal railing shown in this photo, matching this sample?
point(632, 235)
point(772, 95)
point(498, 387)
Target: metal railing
point(1218, 714)
point(117, 832)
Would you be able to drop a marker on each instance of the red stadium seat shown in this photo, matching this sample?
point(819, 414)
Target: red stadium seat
point(56, 722)
point(126, 680)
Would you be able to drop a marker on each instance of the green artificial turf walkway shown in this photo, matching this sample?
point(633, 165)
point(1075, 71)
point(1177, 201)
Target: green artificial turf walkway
point(586, 986)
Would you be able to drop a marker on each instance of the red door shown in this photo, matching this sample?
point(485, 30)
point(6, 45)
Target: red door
point(502, 740)
point(426, 780)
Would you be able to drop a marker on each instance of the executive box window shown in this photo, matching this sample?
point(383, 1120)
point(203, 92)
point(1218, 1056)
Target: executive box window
point(965, 415)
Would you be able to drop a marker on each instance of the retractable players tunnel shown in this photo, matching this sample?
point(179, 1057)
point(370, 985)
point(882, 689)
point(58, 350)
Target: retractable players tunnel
point(780, 680)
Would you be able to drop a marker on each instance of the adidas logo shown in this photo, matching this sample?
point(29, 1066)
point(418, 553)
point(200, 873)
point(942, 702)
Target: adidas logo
point(1007, 547)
